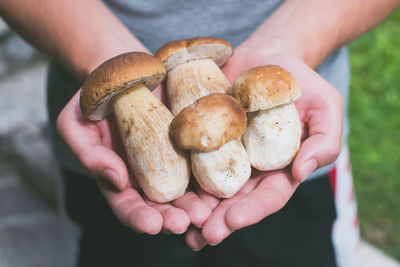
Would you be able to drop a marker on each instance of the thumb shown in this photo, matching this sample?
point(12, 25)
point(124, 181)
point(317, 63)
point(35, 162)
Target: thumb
point(103, 163)
point(85, 140)
point(324, 142)
point(315, 152)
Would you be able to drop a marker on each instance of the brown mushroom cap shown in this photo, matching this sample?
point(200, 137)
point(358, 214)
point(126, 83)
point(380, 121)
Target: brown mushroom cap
point(116, 75)
point(265, 87)
point(177, 52)
point(209, 123)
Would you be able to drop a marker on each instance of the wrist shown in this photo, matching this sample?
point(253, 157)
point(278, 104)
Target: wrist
point(251, 54)
point(256, 53)
point(83, 65)
point(296, 28)
point(275, 47)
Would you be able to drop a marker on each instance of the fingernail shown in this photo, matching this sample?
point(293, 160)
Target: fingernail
point(114, 177)
point(308, 167)
point(200, 242)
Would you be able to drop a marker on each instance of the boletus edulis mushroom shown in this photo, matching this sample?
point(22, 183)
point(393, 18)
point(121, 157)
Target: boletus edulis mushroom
point(193, 69)
point(211, 127)
point(272, 137)
point(123, 85)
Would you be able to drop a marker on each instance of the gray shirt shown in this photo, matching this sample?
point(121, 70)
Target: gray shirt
point(157, 22)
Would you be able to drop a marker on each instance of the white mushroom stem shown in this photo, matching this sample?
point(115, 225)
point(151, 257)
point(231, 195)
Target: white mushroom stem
point(272, 137)
point(221, 172)
point(224, 171)
point(192, 80)
point(160, 168)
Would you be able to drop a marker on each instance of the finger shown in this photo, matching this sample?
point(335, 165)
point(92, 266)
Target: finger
point(270, 195)
point(84, 139)
point(210, 200)
point(304, 132)
point(215, 229)
point(196, 208)
point(194, 239)
point(102, 162)
point(175, 220)
point(131, 210)
point(324, 121)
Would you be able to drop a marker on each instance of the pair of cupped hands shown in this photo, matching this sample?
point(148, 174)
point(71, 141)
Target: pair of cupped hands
point(204, 218)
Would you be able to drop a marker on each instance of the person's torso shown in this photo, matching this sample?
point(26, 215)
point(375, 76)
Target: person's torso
point(157, 22)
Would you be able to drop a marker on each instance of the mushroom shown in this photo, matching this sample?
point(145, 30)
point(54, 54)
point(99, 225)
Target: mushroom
point(193, 69)
point(122, 85)
point(272, 137)
point(211, 128)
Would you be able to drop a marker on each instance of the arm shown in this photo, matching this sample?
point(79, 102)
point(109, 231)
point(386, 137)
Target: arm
point(80, 35)
point(312, 29)
point(298, 36)
point(307, 32)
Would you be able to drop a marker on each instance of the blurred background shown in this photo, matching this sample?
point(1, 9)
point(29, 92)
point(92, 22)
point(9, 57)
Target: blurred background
point(375, 133)
point(34, 230)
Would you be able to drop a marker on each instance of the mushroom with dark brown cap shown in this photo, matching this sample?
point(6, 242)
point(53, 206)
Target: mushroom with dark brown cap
point(211, 128)
point(193, 69)
point(122, 85)
point(272, 137)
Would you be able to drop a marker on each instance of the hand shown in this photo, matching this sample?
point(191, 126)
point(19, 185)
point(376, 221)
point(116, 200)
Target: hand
point(320, 109)
point(98, 147)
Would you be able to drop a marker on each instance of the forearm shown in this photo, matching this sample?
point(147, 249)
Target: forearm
point(79, 35)
point(312, 29)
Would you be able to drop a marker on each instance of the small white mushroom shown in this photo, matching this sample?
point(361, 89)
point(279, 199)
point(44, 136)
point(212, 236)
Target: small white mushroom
point(122, 85)
point(219, 160)
point(193, 72)
point(272, 137)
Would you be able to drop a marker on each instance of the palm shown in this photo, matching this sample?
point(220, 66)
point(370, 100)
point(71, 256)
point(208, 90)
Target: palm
point(320, 111)
point(97, 145)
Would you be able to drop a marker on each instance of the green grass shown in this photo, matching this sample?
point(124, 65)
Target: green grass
point(375, 133)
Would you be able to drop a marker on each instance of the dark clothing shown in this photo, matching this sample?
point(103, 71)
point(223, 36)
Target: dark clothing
point(298, 235)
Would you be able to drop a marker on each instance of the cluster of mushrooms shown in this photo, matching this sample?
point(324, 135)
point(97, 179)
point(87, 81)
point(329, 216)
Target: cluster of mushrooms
point(207, 116)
